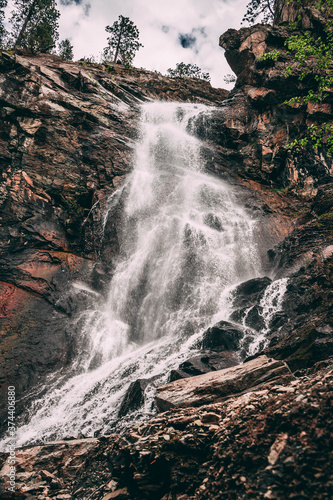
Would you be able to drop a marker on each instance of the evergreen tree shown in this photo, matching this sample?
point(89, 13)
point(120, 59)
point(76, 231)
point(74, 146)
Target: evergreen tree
point(3, 5)
point(35, 25)
point(262, 9)
point(123, 41)
point(183, 70)
point(66, 50)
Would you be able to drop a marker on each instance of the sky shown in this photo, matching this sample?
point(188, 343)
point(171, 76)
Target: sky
point(171, 31)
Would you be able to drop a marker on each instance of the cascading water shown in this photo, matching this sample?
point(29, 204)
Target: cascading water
point(270, 304)
point(185, 244)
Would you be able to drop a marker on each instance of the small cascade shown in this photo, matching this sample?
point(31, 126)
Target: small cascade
point(186, 242)
point(269, 305)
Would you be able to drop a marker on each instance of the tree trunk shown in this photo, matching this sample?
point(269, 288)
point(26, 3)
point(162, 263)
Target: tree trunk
point(24, 26)
point(119, 40)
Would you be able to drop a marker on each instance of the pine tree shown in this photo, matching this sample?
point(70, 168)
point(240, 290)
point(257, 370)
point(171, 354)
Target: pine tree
point(183, 70)
point(35, 25)
point(66, 50)
point(262, 9)
point(3, 5)
point(123, 41)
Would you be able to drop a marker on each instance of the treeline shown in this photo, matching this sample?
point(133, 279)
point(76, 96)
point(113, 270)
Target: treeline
point(34, 27)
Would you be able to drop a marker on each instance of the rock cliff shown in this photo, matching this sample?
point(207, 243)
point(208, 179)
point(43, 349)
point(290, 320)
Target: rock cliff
point(67, 135)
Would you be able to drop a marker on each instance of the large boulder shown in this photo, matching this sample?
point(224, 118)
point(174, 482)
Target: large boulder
point(217, 386)
point(250, 292)
point(135, 396)
point(224, 336)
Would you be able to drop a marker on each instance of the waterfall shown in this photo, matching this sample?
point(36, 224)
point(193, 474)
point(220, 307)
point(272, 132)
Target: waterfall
point(186, 242)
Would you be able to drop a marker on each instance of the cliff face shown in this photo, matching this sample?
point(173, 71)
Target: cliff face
point(66, 137)
point(266, 124)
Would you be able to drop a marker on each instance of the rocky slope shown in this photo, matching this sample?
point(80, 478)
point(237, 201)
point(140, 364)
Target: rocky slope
point(272, 442)
point(303, 333)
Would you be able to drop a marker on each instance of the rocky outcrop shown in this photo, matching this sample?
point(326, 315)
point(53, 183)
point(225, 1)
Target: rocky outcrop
point(216, 386)
point(275, 442)
point(256, 123)
point(66, 139)
point(224, 336)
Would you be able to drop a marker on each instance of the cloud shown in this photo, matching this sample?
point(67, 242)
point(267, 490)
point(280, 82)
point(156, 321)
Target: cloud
point(69, 2)
point(187, 41)
point(171, 32)
point(86, 6)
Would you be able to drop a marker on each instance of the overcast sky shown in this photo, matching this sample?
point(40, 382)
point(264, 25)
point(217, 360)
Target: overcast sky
point(171, 31)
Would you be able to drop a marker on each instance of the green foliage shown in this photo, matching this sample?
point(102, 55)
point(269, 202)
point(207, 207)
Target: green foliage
point(273, 55)
point(262, 10)
point(317, 136)
point(88, 61)
point(3, 33)
point(65, 50)
point(183, 70)
point(314, 52)
point(123, 41)
point(35, 25)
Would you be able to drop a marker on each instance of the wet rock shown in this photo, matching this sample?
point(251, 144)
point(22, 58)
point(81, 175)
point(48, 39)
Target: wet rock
point(223, 336)
point(134, 397)
point(213, 222)
point(251, 317)
point(216, 386)
point(250, 292)
point(203, 363)
point(246, 303)
point(302, 334)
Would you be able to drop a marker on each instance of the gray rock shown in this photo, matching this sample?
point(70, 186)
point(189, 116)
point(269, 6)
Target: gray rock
point(217, 386)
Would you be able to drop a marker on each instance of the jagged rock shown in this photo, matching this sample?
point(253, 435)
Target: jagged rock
point(323, 202)
point(134, 397)
point(203, 363)
point(302, 333)
point(250, 292)
point(266, 124)
point(216, 386)
point(224, 336)
point(246, 302)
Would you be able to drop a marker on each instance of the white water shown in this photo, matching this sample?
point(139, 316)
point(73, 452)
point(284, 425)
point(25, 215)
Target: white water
point(270, 304)
point(186, 243)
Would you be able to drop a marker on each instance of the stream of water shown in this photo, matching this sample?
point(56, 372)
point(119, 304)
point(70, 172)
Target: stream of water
point(186, 242)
